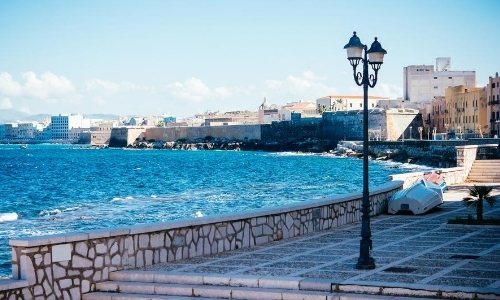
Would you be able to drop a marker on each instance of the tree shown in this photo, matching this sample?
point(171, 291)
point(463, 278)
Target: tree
point(476, 196)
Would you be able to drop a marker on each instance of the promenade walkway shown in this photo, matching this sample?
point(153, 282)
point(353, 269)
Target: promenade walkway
point(416, 256)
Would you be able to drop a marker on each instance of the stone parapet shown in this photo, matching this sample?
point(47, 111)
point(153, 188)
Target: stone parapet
point(65, 266)
point(451, 176)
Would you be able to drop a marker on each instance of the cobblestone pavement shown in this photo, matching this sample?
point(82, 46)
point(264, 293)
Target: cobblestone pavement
point(414, 251)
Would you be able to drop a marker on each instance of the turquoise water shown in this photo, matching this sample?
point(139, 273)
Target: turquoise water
point(50, 189)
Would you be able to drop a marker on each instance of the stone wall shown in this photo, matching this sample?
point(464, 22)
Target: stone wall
point(348, 125)
point(231, 132)
point(465, 157)
point(451, 176)
point(124, 136)
point(66, 265)
point(296, 130)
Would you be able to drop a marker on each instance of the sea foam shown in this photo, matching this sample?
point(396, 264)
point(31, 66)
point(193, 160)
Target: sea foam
point(12, 216)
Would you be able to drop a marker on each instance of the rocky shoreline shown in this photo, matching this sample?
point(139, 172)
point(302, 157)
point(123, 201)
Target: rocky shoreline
point(316, 146)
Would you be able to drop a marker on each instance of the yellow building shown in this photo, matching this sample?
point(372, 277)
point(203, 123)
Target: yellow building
point(493, 115)
point(467, 111)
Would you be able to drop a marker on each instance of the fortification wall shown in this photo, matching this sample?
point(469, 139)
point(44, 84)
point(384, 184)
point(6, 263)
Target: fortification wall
point(124, 136)
point(236, 132)
point(348, 125)
point(65, 266)
point(298, 129)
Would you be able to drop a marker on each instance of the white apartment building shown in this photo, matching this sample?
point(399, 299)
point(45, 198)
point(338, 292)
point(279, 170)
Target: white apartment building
point(345, 103)
point(61, 125)
point(421, 83)
point(27, 130)
point(493, 108)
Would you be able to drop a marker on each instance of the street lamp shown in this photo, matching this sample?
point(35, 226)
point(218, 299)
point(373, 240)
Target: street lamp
point(355, 55)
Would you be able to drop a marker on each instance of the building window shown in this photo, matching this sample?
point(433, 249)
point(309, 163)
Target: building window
point(361, 105)
point(435, 78)
point(435, 87)
point(449, 77)
point(350, 104)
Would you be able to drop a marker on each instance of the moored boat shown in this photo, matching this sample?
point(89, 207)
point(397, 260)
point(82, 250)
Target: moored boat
point(418, 198)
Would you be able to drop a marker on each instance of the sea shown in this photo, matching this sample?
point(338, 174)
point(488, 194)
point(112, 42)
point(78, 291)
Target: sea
point(49, 189)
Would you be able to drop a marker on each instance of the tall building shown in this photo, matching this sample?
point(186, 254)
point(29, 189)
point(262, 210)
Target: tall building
point(493, 111)
point(421, 83)
point(61, 125)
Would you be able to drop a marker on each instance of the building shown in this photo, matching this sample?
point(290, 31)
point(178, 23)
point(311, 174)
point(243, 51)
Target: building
point(27, 130)
point(493, 114)
point(436, 115)
point(467, 109)
point(421, 83)
point(268, 113)
point(11, 130)
point(345, 103)
point(169, 119)
point(230, 118)
point(61, 125)
point(298, 110)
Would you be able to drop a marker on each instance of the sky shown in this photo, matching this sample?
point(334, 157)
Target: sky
point(188, 57)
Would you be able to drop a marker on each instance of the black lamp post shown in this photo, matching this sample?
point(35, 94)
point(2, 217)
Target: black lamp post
point(376, 56)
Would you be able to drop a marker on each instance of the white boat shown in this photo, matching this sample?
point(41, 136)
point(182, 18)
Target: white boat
point(418, 198)
point(23, 147)
point(437, 178)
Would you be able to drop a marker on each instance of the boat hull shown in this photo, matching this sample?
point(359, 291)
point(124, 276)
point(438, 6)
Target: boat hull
point(418, 198)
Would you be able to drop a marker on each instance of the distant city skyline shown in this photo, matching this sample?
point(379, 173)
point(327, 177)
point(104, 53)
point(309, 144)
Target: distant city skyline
point(187, 57)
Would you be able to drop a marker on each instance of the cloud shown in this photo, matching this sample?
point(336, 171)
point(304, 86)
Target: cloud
point(194, 90)
point(8, 86)
point(5, 104)
point(108, 88)
point(47, 86)
point(307, 87)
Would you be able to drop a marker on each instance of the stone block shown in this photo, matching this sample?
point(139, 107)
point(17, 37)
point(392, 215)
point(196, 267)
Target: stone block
point(101, 248)
point(116, 260)
point(82, 248)
point(65, 283)
point(143, 241)
point(113, 249)
point(80, 262)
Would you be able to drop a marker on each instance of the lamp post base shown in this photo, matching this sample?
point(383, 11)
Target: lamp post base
point(366, 264)
point(365, 260)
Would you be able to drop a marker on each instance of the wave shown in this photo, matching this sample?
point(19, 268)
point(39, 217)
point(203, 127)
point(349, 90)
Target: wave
point(46, 212)
point(12, 216)
point(122, 198)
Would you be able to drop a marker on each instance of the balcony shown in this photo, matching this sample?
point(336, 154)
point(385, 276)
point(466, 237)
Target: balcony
point(494, 102)
point(459, 109)
point(494, 121)
point(445, 111)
